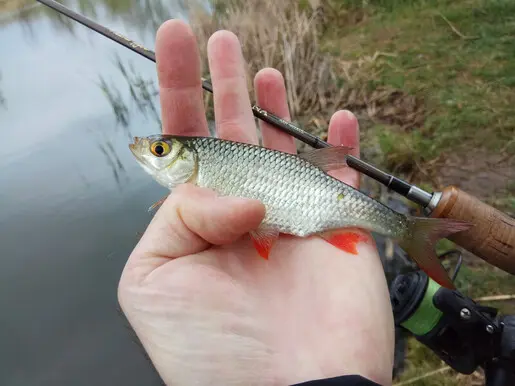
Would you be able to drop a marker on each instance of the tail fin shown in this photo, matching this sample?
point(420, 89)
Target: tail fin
point(421, 240)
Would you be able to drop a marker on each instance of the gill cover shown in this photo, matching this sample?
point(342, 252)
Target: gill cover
point(165, 158)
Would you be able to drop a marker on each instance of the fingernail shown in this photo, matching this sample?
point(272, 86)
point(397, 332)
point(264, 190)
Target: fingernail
point(349, 114)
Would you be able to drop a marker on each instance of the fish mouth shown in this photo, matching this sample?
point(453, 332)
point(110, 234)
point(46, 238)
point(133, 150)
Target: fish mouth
point(135, 141)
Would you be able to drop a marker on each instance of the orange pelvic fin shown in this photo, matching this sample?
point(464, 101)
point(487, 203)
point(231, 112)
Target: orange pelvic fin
point(263, 240)
point(345, 240)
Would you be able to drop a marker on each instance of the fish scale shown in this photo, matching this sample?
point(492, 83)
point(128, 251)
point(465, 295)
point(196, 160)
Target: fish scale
point(300, 198)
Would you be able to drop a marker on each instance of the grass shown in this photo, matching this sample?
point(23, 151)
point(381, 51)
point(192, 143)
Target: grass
point(279, 34)
point(456, 56)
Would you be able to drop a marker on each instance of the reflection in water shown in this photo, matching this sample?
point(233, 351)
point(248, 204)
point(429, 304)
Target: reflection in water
point(29, 12)
point(116, 101)
point(113, 160)
point(143, 15)
point(3, 101)
point(138, 100)
point(67, 226)
point(142, 93)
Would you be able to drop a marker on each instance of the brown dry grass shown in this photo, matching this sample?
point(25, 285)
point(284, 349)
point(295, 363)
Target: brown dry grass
point(282, 36)
point(286, 36)
point(413, 112)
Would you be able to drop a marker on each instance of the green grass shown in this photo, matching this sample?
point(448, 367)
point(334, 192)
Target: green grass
point(467, 82)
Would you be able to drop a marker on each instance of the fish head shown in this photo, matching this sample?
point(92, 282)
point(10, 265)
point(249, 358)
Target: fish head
point(168, 160)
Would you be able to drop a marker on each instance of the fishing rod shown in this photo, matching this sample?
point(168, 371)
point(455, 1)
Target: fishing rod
point(492, 237)
point(409, 191)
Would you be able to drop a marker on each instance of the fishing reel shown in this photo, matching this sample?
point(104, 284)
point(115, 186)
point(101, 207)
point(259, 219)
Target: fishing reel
point(461, 332)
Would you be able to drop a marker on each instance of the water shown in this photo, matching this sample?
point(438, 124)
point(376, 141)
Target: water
point(72, 199)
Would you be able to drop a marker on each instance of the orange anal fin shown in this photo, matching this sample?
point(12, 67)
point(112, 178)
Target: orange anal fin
point(345, 240)
point(263, 240)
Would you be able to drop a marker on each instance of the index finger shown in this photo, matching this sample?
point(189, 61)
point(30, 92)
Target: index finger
point(180, 86)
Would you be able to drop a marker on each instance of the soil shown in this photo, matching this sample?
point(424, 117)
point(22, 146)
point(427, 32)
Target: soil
point(478, 172)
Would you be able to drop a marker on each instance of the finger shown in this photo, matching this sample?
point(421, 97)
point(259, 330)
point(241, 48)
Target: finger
point(344, 130)
point(180, 87)
point(191, 220)
point(271, 96)
point(234, 118)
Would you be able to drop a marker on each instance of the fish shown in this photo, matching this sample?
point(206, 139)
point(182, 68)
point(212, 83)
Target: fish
point(301, 198)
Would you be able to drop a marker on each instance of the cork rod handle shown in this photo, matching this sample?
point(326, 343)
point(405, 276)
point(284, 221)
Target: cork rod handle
point(492, 238)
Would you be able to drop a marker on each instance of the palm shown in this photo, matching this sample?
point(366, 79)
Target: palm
point(286, 319)
point(226, 307)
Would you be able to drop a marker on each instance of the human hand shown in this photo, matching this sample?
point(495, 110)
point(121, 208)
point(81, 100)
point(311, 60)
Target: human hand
point(207, 309)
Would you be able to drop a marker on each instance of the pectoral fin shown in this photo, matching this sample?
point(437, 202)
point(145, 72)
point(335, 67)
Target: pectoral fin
point(263, 240)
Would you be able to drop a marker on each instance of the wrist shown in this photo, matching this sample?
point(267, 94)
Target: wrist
point(343, 380)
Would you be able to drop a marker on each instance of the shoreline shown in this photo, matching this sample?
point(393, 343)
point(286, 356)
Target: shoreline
point(12, 6)
point(10, 9)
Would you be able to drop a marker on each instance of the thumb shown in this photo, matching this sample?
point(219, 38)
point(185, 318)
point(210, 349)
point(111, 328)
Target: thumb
point(191, 220)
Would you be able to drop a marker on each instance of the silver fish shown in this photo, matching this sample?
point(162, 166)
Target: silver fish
point(300, 198)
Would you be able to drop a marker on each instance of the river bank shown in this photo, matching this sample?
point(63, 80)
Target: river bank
point(8, 6)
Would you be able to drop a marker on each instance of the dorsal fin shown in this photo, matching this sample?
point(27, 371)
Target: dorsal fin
point(327, 158)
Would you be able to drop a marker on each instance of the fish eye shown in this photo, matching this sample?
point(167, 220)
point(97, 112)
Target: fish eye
point(160, 148)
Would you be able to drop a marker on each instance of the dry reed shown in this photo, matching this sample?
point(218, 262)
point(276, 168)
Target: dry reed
point(283, 36)
point(286, 36)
